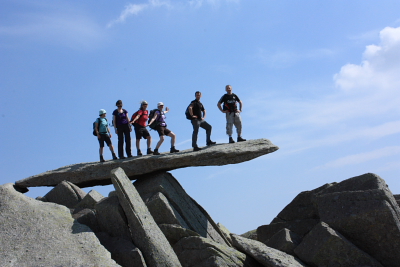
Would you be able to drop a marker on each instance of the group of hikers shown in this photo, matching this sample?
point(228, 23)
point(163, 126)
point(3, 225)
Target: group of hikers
point(155, 119)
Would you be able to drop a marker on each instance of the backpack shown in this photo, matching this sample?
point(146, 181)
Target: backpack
point(94, 126)
point(187, 113)
point(156, 122)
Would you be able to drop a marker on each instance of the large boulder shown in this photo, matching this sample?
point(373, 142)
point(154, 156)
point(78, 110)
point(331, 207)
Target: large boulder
point(163, 212)
point(195, 251)
point(111, 218)
point(145, 233)
point(174, 232)
point(300, 227)
point(323, 246)
point(368, 219)
point(65, 193)
point(90, 200)
point(194, 216)
point(123, 251)
point(284, 240)
point(35, 233)
point(265, 255)
point(95, 173)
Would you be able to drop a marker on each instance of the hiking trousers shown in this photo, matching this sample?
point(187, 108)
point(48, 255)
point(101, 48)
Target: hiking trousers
point(124, 132)
point(233, 118)
point(196, 125)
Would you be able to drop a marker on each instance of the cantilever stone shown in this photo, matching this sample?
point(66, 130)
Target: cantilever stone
point(96, 173)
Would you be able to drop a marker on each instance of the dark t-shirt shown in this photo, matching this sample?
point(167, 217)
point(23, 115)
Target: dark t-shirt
point(121, 117)
point(197, 108)
point(229, 102)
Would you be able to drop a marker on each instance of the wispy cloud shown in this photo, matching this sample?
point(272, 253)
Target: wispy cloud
point(67, 28)
point(285, 59)
point(363, 103)
point(363, 157)
point(135, 9)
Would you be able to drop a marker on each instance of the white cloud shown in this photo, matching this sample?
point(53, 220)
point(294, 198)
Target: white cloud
point(363, 157)
point(135, 9)
point(285, 59)
point(68, 29)
point(364, 105)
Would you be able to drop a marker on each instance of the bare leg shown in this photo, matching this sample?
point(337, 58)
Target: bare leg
point(160, 142)
point(173, 138)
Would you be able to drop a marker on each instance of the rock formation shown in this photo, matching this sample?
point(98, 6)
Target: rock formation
point(95, 173)
point(154, 222)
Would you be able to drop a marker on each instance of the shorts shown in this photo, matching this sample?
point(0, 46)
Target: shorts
point(104, 138)
point(140, 132)
point(162, 130)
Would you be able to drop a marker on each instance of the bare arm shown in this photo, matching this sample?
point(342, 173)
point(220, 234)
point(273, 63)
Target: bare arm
point(240, 106)
point(153, 119)
point(191, 111)
point(204, 115)
point(96, 125)
point(220, 108)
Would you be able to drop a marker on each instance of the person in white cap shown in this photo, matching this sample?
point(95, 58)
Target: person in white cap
point(103, 134)
point(161, 128)
point(139, 121)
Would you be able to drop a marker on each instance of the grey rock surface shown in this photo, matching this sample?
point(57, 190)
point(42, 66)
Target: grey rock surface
point(145, 233)
point(174, 232)
point(252, 234)
point(111, 218)
point(88, 218)
point(65, 193)
point(96, 173)
point(90, 200)
point(300, 227)
point(263, 254)
point(225, 232)
point(35, 233)
point(193, 214)
point(197, 251)
point(124, 252)
point(323, 246)
point(284, 240)
point(163, 212)
point(366, 218)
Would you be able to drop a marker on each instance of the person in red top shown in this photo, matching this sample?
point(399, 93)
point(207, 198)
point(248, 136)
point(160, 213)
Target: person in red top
point(139, 121)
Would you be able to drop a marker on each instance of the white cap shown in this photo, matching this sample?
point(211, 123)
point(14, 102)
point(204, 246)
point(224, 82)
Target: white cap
point(102, 111)
point(143, 102)
point(160, 104)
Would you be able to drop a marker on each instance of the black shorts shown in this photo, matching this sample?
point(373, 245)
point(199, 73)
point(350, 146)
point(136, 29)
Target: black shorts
point(140, 132)
point(104, 138)
point(162, 130)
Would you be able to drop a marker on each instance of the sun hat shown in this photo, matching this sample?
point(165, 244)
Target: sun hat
point(160, 104)
point(102, 111)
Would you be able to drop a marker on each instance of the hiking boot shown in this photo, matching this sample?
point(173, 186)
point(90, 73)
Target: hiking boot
point(210, 143)
point(240, 139)
point(196, 148)
point(139, 153)
point(149, 151)
point(173, 150)
point(114, 156)
point(129, 156)
point(101, 158)
point(156, 152)
point(231, 140)
point(122, 157)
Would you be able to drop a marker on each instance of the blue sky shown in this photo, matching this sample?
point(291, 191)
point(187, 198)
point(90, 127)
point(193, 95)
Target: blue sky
point(320, 79)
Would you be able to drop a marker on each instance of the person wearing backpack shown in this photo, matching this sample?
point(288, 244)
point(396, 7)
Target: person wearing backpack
point(232, 113)
point(139, 121)
point(103, 134)
point(123, 129)
point(197, 115)
point(161, 127)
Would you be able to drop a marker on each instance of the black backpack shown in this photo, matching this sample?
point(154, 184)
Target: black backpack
point(155, 122)
point(187, 113)
point(94, 126)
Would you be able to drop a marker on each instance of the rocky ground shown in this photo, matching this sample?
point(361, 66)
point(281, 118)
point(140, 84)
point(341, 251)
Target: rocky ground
point(154, 222)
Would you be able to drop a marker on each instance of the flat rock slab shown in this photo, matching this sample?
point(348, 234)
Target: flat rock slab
point(97, 173)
